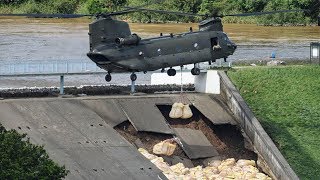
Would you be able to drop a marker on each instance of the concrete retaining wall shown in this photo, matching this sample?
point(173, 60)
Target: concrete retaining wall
point(89, 90)
point(262, 143)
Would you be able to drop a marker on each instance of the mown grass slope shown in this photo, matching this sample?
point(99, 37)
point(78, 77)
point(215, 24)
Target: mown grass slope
point(286, 100)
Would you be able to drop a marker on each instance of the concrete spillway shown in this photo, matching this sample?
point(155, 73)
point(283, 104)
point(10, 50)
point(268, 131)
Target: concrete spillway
point(78, 132)
point(83, 133)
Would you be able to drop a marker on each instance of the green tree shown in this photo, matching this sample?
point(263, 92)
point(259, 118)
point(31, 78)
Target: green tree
point(19, 159)
point(286, 18)
point(100, 6)
point(252, 5)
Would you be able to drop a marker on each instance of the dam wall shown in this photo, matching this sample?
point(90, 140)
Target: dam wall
point(79, 131)
point(261, 142)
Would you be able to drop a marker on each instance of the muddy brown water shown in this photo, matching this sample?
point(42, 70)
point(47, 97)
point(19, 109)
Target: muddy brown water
point(29, 40)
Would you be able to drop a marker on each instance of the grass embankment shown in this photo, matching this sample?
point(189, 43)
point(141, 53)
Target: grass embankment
point(286, 100)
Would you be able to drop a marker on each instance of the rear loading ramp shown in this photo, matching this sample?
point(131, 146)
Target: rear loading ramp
point(78, 138)
point(144, 114)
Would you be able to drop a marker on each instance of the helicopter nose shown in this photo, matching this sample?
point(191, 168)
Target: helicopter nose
point(234, 46)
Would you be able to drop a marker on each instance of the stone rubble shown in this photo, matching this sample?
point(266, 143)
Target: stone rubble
point(218, 170)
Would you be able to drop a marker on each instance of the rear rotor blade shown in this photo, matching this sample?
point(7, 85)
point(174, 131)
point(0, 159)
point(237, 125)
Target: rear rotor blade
point(49, 15)
point(264, 13)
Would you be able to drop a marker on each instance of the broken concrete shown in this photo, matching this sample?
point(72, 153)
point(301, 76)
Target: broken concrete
point(195, 144)
point(211, 108)
point(78, 132)
point(144, 114)
point(78, 138)
point(107, 109)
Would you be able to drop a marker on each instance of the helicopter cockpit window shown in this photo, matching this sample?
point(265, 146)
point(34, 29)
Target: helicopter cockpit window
point(215, 44)
point(226, 37)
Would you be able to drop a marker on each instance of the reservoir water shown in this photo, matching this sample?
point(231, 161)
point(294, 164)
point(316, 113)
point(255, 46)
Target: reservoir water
point(34, 40)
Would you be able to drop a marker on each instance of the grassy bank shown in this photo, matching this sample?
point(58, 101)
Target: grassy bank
point(286, 100)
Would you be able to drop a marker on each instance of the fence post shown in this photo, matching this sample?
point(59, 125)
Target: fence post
point(61, 84)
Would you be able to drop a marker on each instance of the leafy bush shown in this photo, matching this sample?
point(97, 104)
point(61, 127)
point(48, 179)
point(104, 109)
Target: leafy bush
point(100, 6)
point(65, 6)
point(7, 2)
point(19, 159)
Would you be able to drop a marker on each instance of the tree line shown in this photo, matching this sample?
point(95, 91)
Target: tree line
point(209, 7)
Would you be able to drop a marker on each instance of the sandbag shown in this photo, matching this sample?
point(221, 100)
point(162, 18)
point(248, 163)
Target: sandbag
point(244, 162)
point(165, 147)
point(186, 112)
point(161, 164)
point(179, 169)
point(176, 111)
point(146, 154)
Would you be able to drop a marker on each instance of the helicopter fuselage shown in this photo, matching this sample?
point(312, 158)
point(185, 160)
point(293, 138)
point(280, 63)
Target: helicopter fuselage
point(162, 52)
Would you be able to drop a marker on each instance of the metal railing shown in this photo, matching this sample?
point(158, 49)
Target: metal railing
point(49, 68)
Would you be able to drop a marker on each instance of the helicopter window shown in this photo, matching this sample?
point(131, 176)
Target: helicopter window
point(214, 41)
point(215, 44)
point(226, 38)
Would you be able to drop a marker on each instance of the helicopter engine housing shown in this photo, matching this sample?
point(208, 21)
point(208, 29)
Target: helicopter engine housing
point(106, 30)
point(133, 39)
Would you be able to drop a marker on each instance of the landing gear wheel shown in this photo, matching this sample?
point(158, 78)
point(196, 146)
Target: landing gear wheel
point(133, 77)
point(171, 72)
point(108, 77)
point(162, 70)
point(195, 71)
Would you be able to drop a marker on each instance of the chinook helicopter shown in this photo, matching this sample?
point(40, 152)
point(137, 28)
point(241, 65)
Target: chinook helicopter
point(115, 49)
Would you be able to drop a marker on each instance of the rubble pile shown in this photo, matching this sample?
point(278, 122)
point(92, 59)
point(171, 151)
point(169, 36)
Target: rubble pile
point(216, 169)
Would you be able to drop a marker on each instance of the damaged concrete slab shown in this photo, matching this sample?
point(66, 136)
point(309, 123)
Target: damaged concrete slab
point(211, 108)
point(144, 114)
point(107, 109)
point(195, 144)
point(78, 138)
point(79, 133)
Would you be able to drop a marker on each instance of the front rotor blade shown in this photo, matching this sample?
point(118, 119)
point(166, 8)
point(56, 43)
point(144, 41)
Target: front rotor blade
point(49, 15)
point(168, 12)
point(263, 13)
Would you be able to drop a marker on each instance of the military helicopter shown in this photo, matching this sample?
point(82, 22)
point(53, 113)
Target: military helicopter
point(115, 49)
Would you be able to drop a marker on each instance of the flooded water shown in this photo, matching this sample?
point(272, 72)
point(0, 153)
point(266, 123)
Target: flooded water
point(29, 40)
